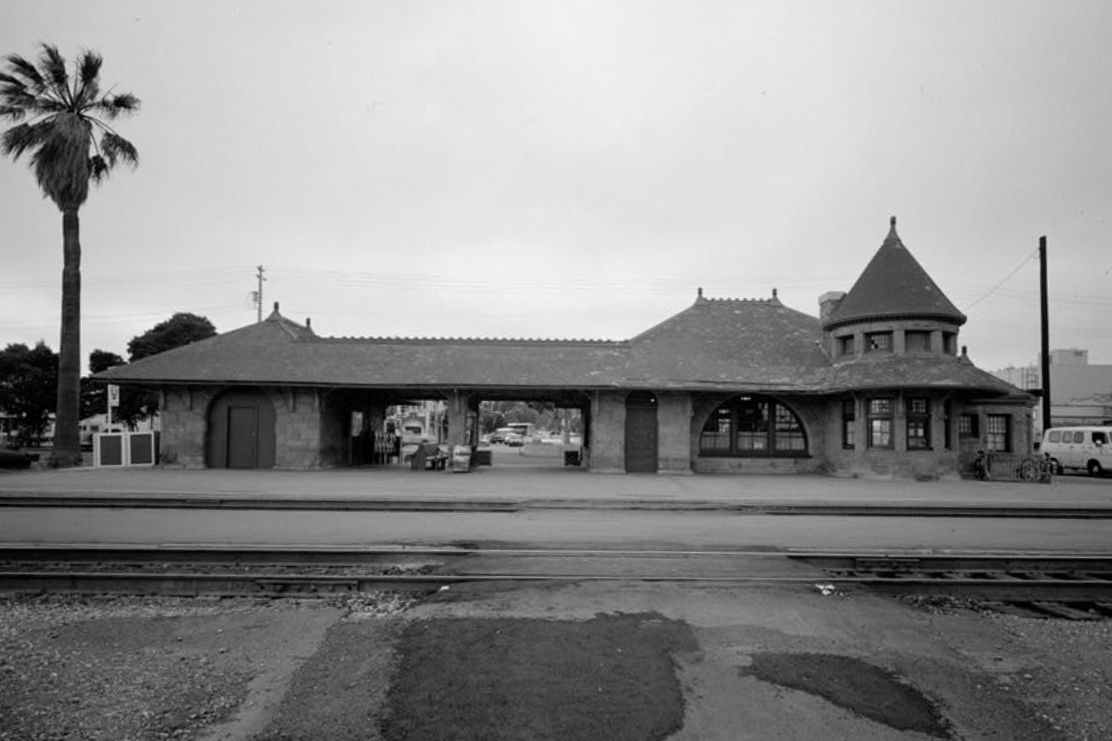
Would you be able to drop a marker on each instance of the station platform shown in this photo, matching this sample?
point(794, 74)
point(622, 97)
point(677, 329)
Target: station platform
point(519, 486)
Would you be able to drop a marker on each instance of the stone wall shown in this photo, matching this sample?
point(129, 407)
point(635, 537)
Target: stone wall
point(861, 461)
point(304, 436)
point(184, 412)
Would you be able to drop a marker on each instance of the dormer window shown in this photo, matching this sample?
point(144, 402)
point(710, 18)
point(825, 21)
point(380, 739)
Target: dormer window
point(878, 342)
point(847, 345)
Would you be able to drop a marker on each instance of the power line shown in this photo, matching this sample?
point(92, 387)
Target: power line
point(1005, 280)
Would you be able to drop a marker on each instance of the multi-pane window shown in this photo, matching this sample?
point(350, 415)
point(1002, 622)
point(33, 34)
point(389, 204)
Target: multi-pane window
point(998, 436)
point(753, 426)
point(918, 424)
point(789, 432)
point(967, 425)
point(847, 345)
point(849, 423)
point(878, 342)
point(716, 432)
point(917, 341)
point(880, 423)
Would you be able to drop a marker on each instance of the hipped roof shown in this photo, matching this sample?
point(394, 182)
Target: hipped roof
point(714, 345)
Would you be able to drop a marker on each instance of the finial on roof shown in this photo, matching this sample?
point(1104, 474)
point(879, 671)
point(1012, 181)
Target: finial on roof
point(892, 236)
point(276, 306)
point(774, 293)
point(700, 291)
point(308, 323)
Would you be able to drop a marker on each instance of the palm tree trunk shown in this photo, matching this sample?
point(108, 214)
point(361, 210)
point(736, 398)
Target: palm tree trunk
point(67, 444)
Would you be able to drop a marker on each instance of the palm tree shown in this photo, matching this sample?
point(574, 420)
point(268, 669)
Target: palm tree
point(63, 125)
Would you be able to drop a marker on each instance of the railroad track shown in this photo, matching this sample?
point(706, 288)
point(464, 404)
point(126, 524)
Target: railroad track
point(1064, 585)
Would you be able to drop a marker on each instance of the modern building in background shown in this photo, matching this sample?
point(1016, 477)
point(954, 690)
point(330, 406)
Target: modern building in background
point(874, 386)
point(1080, 392)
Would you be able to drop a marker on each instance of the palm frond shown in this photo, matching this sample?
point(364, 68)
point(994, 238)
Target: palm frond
point(88, 87)
point(18, 139)
point(112, 106)
point(118, 149)
point(15, 113)
point(27, 71)
point(89, 67)
point(55, 68)
point(98, 168)
point(16, 97)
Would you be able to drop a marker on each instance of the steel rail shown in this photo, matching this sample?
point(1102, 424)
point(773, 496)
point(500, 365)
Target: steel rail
point(851, 509)
point(1011, 587)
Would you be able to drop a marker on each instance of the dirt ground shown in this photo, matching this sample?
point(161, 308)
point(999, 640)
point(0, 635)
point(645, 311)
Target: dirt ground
point(577, 661)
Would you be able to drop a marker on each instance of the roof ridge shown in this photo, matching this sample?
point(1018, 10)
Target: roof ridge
point(478, 340)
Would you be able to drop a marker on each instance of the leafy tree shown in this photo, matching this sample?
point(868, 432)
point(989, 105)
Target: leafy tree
point(62, 124)
point(28, 381)
point(94, 396)
point(180, 329)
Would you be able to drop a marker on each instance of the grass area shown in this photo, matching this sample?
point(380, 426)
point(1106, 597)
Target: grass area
point(611, 677)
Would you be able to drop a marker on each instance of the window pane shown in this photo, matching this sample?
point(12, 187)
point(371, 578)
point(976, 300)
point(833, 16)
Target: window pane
point(878, 342)
point(917, 406)
point(880, 433)
point(880, 407)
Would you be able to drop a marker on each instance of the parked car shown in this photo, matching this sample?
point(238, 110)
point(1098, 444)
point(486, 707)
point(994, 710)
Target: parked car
point(514, 440)
point(14, 459)
point(1085, 448)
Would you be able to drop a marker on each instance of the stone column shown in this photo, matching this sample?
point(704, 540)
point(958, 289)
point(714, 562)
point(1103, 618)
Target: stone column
point(457, 406)
point(673, 421)
point(608, 415)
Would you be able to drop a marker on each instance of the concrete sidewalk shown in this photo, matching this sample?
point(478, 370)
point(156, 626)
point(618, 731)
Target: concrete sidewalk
point(523, 486)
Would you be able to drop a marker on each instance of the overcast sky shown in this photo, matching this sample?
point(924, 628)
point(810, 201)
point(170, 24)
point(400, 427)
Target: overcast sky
point(576, 169)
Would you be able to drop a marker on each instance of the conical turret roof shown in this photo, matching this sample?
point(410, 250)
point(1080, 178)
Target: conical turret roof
point(893, 286)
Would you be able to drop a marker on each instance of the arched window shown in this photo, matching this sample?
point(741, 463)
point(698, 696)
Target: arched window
point(753, 426)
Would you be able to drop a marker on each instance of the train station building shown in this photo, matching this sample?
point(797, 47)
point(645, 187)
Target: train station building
point(875, 385)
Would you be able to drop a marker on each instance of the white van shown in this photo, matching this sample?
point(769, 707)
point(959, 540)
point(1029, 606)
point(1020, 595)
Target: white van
point(1088, 448)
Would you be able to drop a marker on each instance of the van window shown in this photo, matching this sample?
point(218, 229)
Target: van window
point(1079, 437)
point(1055, 436)
point(1099, 438)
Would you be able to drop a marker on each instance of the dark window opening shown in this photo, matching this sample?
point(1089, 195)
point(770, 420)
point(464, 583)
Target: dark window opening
point(949, 343)
point(849, 423)
point(917, 341)
point(847, 345)
point(947, 432)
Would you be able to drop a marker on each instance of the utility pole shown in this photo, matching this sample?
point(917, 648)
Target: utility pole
point(259, 294)
point(1045, 360)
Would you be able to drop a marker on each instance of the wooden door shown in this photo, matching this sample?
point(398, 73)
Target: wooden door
point(641, 435)
point(243, 437)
